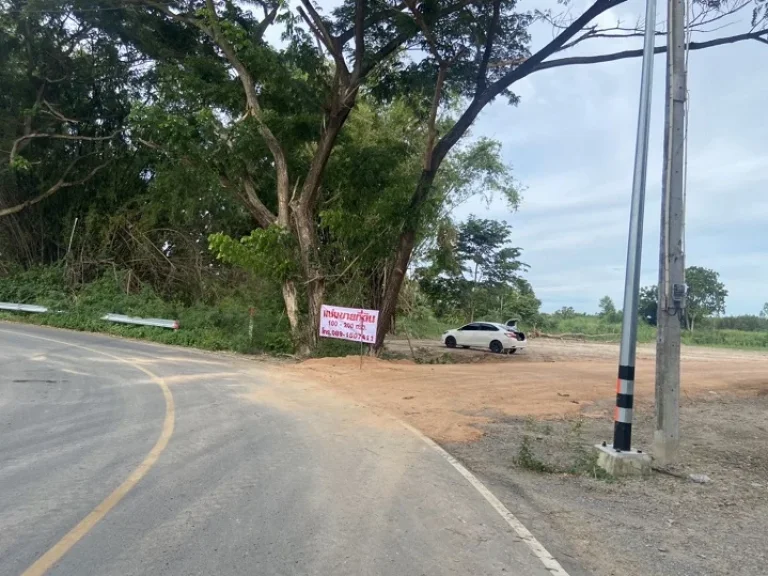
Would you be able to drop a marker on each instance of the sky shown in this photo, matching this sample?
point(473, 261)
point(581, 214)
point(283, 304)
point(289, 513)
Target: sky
point(571, 144)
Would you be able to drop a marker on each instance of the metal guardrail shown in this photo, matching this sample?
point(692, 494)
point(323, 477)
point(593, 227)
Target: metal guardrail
point(159, 322)
point(13, 307)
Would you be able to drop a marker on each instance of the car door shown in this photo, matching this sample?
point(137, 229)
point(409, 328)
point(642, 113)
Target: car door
point(486, 334)
point(466, 334)
point(479, 336)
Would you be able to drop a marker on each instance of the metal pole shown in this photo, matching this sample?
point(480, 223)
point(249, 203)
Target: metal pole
point(671, 299)
point(625, 385)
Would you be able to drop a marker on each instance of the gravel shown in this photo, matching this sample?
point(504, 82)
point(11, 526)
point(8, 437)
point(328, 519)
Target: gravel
point(669, 525)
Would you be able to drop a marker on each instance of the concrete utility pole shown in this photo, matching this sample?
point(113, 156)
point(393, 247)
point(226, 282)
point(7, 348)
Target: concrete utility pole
point(672, 290)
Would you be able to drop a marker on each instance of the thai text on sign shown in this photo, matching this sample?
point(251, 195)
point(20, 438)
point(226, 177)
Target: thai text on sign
point(355, 324)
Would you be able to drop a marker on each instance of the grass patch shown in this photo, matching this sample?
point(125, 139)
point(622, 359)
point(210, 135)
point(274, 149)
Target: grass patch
point(727, 338)
point(585, 464)
point(597, 329)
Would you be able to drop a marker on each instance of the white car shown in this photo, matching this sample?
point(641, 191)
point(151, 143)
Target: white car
point(495, 337)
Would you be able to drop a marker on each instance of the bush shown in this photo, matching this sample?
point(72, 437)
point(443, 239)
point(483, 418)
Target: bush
point(222, 324)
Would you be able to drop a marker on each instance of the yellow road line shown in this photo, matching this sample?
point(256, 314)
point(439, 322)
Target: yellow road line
point(47, 560)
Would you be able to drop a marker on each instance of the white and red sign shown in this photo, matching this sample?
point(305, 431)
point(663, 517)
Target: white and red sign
point(354, 324)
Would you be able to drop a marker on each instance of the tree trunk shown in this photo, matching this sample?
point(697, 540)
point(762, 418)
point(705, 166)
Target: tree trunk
point(394, 283)
point(291, 301)
point(405, 246)
point(315, 279)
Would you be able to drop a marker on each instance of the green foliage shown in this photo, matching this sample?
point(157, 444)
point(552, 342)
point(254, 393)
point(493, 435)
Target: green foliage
point(727, 338)
point(590, 327)
point(706, 297)
point(566, 313)
point(425, 328)
point(42, 285)
point(764, 311)
point(608, 310)
point(745, 323)
point(706, 294)
point(471, 272)
point(221, 325)
point(648, 305)
point(269, 252)
point(527, 459)
point(732, 332)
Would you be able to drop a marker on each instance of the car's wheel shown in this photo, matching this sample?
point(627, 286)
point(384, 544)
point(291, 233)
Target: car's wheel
point(497, 347)
point(512, 350)
point(450, 342)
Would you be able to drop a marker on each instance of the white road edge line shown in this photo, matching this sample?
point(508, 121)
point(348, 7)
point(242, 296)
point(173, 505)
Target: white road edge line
point(552, 565)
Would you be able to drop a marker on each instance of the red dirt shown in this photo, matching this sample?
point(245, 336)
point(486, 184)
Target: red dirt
point(449, 401)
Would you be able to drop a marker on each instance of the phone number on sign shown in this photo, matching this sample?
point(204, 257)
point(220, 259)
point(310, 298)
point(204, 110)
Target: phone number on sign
point(356, 336)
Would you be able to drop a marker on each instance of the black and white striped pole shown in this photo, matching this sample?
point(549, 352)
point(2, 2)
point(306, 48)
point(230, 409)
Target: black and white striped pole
point(625, 386)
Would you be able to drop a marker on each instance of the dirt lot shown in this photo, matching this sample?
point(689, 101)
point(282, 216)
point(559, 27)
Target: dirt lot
point(525, 424)
point(551, 379)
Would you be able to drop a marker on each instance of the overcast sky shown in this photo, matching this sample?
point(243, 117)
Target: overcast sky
point(571, 143)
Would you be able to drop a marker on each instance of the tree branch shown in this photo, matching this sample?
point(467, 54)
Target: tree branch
point(261, 214)
point(53, 112)
point(482, 81)
point(253, 106)
point(387, 50)
point(320, 29)
point(623, 55)
point(348, 34)
point(269, 19)
point(524, 69)
point(432, 122)
point(698, 23)
point(428, 35)
point(170, 13)
point(17, 143)
point(359, 36)
point(401, 38)
point(62, 183)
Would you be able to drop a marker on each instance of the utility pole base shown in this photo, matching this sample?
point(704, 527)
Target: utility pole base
point(665, 448)
point(620, 463)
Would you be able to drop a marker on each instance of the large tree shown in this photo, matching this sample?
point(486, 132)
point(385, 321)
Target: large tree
point(469, 58)
point(66, 91)
point(706, 294)
point(475, 272)
point(283, 121)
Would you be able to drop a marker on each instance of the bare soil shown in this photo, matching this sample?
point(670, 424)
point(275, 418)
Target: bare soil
point(551, 379)
point(526, 424)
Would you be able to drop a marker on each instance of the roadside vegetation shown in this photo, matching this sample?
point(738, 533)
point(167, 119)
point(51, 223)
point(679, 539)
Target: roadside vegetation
point(704, 320)
point(164, 159)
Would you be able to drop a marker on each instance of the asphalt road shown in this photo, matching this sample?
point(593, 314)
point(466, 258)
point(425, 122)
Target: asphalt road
point(121, 458)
